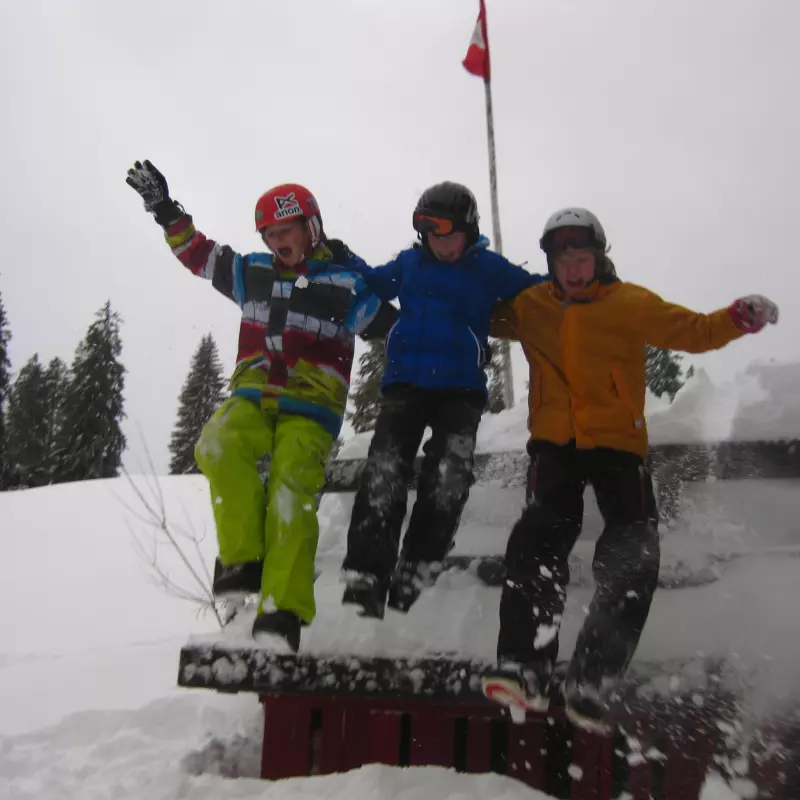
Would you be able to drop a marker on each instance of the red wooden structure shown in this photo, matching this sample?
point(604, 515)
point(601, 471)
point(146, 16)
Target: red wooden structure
point(307, 734)
point(667, 759)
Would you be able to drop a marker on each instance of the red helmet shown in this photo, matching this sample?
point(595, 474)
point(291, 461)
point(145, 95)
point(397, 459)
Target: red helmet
point(289, 201)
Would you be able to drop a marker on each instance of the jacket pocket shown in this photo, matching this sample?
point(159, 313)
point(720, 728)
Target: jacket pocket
point(621, 388)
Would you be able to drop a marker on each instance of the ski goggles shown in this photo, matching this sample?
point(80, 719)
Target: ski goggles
point(438, 226)
point(570, 236)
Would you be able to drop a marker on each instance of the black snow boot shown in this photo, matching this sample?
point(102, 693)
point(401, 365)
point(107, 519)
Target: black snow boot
point(409, 580)
point(278, 627)
point(367, 591)
point(237, 579)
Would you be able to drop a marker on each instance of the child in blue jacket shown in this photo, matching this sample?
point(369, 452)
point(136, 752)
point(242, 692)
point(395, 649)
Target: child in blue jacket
point(447, 285)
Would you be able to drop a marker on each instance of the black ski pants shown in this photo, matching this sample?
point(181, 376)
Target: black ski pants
point(625, 565)
point(442, 489)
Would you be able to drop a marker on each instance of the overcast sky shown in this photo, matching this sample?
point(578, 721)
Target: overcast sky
point(676, 121)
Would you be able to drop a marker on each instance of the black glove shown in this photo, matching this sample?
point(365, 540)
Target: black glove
point(152, 186)
point(380, 326)
point(340, 251)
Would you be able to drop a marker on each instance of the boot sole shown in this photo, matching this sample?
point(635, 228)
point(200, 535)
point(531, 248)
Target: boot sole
point(506, 692)
point(366, 611)
point(590, 724)
point(274, 642)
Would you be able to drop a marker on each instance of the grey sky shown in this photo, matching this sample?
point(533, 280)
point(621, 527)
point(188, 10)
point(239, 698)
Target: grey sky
point(676, 122)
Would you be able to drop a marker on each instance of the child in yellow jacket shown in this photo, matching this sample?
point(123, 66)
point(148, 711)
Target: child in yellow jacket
point(584, 334)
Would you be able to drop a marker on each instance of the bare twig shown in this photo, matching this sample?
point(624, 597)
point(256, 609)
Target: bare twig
point(151, 511)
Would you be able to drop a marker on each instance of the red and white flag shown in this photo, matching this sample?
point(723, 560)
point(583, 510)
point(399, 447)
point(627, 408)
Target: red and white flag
point(477, 60)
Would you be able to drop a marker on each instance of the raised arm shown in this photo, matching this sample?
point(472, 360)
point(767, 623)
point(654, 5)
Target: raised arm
point(200, 255)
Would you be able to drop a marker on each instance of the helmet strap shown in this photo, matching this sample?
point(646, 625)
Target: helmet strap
point(314, 225)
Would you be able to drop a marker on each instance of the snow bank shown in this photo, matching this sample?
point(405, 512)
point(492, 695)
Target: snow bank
point(165, 751)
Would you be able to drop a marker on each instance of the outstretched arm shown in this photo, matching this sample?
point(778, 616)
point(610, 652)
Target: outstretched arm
point(674, 327)
point(200, 255)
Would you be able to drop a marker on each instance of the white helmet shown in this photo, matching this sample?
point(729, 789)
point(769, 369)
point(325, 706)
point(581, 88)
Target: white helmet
point(574, 218)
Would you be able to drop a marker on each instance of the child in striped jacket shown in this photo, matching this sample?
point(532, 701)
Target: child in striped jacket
point(302, 306)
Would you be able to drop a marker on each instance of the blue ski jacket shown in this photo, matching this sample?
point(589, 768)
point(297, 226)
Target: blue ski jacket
point(440, 338)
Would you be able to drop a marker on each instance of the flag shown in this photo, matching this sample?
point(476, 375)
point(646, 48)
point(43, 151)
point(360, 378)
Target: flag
point(477, 60)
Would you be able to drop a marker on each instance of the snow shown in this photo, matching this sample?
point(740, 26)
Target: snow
point(759, 404)
point(88, 645)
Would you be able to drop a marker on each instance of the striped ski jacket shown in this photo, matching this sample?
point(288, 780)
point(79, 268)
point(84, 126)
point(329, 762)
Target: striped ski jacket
point(298, 327)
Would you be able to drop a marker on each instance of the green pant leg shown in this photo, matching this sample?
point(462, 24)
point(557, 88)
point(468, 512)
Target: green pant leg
point(232, 444)
point(297, 474)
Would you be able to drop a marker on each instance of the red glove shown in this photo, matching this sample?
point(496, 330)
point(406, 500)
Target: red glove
point(750, 314)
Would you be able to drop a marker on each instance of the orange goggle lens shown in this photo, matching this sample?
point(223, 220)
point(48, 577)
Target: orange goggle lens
point(438, 226)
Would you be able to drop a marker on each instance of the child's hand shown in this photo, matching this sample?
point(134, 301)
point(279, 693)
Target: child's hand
point(152, 188)
point(149, 183)
point(750, 314)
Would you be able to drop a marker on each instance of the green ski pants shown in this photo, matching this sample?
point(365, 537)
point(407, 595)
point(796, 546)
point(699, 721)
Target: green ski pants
point(281, 528)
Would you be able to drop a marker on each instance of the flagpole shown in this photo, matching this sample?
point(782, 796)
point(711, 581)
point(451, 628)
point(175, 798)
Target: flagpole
point(498, 239)
point(505, 350)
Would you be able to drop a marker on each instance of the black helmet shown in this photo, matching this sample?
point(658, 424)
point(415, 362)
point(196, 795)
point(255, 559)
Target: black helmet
point(448, 201)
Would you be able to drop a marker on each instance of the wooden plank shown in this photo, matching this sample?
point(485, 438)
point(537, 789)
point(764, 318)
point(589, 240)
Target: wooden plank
point(286, 749)
point(690, 749)
point(432, 739)
point(332, 736)
point(640, 780)
point(433, 679)
point(591, 766)
point(356, 748)
point(384, 737)
point(527, 758)
point(479, 744)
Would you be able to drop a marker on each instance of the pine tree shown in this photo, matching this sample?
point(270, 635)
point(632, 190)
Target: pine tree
point(663, 372)
point(494, 370)
point(90, 442)
point(26, 426)
point(56, 380)
point(202, 394)
point(5, 379)
point(366, 395)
